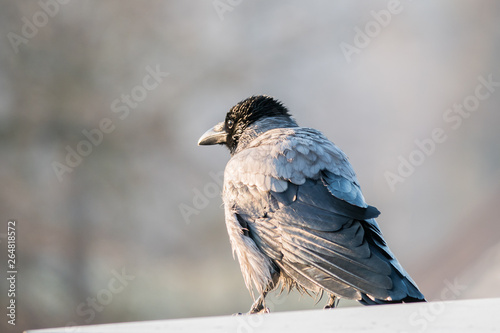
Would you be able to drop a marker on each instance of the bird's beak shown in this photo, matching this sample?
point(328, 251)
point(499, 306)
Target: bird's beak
point(215, 136)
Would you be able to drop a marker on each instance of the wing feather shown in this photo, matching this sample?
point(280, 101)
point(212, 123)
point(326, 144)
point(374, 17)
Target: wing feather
point(304, 209)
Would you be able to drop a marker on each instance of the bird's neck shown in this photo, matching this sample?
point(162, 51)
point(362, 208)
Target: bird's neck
point(261, 126)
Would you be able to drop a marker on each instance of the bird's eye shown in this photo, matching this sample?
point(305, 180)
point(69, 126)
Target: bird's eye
point(230, 124)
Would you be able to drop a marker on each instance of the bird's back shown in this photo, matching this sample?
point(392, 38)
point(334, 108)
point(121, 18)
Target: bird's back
point(294, 209)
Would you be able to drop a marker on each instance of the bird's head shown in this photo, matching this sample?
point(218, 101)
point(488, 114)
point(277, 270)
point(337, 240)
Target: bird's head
point(241, 117)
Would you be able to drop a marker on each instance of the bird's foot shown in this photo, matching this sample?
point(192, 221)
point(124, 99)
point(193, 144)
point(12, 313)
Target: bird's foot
point(253, 311)
point(263, 310)
point(332, 303)
point(259, 306)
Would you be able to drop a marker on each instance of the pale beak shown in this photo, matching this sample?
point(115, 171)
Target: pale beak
point(215, 136)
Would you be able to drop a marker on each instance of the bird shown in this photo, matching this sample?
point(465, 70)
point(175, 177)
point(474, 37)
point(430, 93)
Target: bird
point(295, 213)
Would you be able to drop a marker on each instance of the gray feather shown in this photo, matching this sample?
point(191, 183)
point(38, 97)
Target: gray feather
point(297, 196)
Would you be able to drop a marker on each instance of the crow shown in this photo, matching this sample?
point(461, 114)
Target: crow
point(295, 213)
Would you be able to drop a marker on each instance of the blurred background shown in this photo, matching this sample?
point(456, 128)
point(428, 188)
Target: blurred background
point(118, 211)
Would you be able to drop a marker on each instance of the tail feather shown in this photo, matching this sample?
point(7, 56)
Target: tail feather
point(367, 300)
point(404, 289)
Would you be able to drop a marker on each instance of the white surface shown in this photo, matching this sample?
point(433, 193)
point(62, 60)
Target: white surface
point(480, 315)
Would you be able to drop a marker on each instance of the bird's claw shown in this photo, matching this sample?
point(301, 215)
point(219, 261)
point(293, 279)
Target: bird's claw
point(260, 309)
point(253, 311)
point(333, 302)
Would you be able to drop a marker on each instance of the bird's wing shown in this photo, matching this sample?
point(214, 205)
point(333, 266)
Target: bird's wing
point(312, 154)
point(298, 197)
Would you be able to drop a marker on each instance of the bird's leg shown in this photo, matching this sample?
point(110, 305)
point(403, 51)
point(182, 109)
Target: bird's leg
point(333, 302)
point(259, 306)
